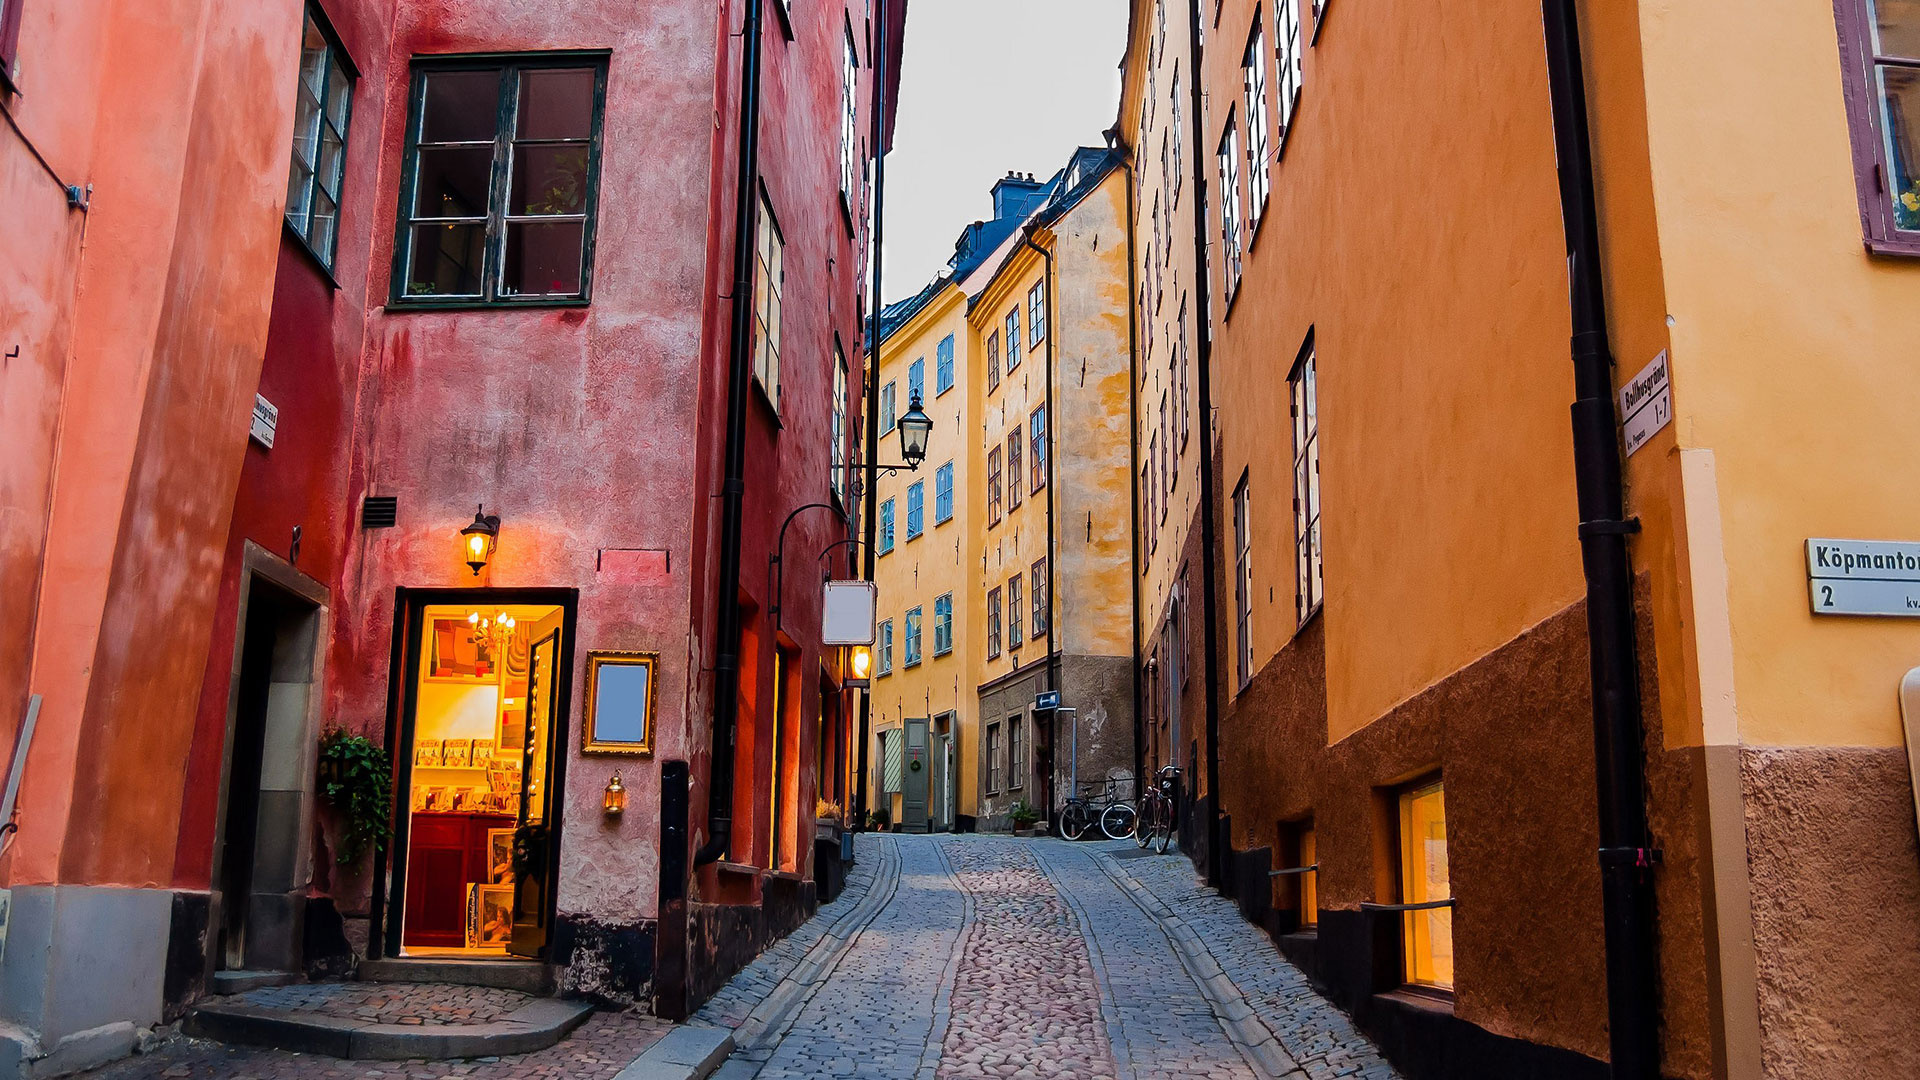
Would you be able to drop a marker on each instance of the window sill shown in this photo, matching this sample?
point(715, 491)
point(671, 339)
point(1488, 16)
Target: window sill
point(1428, 999)
point(1300, 626)
point(474, 304)
point(312, 257)
point(1897, 247)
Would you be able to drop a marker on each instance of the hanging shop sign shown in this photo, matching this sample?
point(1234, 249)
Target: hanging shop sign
point(1646, 404)
point(1864, 577)
point(849, 613)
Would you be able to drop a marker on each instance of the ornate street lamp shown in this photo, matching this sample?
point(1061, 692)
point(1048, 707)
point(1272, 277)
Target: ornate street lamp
point(915, 427)
point(478, 540)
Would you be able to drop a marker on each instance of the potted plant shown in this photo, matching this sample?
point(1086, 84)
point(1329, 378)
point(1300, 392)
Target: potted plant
point(826, 819)
point(878, 820)
point(1024, 818)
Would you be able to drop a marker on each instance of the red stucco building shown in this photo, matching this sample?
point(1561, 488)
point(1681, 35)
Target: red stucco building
point(505, 279)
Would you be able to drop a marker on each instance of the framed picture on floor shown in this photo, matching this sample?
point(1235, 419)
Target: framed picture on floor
point(489, 916)
point(456, 654)
point(500, 856)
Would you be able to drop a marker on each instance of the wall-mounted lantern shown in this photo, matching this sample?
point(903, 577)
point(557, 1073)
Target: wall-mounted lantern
point(478, 540)
point(615, 802)
point(859, 667)
point(915, 427)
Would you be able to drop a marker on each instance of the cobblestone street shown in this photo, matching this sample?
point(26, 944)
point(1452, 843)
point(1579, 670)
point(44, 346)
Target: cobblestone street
point(975, 956)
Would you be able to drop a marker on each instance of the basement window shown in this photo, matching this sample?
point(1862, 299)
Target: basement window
point(1427, 931)
point(499, 183)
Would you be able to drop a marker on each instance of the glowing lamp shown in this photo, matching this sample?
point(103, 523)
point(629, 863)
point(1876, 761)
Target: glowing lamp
point(615, 802)
point(859, 667)
point(915, 427)
point(478, 540)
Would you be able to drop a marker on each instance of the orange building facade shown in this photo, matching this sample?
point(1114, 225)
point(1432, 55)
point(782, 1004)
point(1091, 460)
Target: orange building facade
point(1408, 794)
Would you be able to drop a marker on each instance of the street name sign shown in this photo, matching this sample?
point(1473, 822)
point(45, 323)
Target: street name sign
point(1646, 404)
point(1863, 577)
point(266, 418)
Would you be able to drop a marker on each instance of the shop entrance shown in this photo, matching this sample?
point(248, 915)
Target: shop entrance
point(484, 692)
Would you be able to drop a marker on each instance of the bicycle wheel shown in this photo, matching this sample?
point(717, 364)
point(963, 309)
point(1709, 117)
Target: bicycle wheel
point(1074, 820)
point(1163, 830)
point(1118, 821)
point(1143, 826)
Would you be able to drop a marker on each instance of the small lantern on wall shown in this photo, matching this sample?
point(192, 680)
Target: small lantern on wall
point(859, 667)
point(478, 540)
point(615, 802)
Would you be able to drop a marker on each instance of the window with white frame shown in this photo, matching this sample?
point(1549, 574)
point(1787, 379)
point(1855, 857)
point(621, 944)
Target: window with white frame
point(943, 494)
point(888, 408)
point(769, 279)
point(1036, 314)
point(1242, 585)
point(993, 361)
point(916, 508)
point(913, 636)
point(993, 623)
point(884, 663)
point(1287, 54)
point(943, 625)
point(841, 472)
point(1038, 452)
point(1015, 598)
point(886, 526)
point(1041, 597)
point(1230, 207)
point(849, 119)
point(1253, 78)
point(1304, 393)
point(943, 366)
point(1013, 340)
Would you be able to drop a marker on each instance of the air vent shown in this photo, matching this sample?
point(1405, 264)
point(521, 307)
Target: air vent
point(380, 512)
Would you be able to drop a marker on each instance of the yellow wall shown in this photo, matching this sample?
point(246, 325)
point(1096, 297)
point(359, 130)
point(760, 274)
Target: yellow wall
point(917, 571)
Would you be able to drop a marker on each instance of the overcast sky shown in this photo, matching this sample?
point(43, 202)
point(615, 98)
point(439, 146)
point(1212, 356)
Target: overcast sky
point(988, 87)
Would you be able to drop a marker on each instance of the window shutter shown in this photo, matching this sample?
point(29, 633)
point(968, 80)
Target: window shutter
point(892, 757)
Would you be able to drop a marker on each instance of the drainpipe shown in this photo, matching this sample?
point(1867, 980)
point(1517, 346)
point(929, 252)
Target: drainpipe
point(1133, 487)
point(726, 668)
point(1053, 465)
point(1626, 854)
point(871, 523)
point(1209, 510)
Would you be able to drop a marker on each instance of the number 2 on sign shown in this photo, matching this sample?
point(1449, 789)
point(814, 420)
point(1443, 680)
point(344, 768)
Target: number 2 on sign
point(1826, 596)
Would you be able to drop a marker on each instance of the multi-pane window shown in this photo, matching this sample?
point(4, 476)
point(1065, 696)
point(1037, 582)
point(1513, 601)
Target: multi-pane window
point(916, 508)
point(943, 366)
point(993, 361)
point(1230, 205)
point(497, 203)
point(993, 487)
point(1253, 78)
point(913, 636)
point(884, 664)
point(1306, 485)
point(886, 526)
point(1882, 51)
point(1428, 934)
point(1242, 585)
point(993, 623)
point(1013, 340)
point(1180, 354)
point(943, 625)
point(1014, 601)
point(1016, 491)
point(1039, 448)
point(849, 118)
point(1179, 175)
point(769, 282)
point(888, 408)
point(840, 470)
point(1041, 598)
point(1167, 471)
point(993, 757)
point(322, 101)
point(1287, 50)
point(1149, 490)
point(1016, 752)
point(1036, 314)
point(917, 381)
point(943, 494)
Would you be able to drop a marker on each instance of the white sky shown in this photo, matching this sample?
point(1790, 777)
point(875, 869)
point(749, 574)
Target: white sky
point(988, 87)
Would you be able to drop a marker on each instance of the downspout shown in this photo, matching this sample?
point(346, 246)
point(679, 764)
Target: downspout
point(1209, 511)
point(1626, 855)
point(878, 54)
point(1133, 488)
point(726, 668)
point(1053, 464)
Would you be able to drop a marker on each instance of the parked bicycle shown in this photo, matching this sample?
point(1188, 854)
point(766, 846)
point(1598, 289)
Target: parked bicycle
point(1155, 822)
point(1113, 815)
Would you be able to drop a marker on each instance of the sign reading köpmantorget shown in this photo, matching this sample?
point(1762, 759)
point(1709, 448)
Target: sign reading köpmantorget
point(1863, 577)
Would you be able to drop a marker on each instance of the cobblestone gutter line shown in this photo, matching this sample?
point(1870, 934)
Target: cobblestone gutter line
point(1228, 955)
point(943, 997)
point(1025, 1000)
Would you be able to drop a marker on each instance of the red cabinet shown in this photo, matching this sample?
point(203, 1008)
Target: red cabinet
point(445, 853)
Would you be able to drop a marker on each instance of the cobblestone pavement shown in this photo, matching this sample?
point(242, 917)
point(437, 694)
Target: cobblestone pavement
point(597, 1051)
point(965, 956)
point(392, 1003)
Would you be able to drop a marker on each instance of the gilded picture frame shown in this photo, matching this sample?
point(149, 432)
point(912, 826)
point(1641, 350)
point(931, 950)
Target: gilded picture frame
point(621, 688)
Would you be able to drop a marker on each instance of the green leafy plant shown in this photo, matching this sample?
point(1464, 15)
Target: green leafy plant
point(1023, 814)
point(877, 820)
point(356, 779)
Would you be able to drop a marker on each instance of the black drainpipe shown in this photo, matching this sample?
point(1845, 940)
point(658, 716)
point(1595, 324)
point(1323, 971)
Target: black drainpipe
point(1053, 466)
point(1209, 510)
point(726, 667)
point(1133, 486)
point(1626, 855)
point(877, 53)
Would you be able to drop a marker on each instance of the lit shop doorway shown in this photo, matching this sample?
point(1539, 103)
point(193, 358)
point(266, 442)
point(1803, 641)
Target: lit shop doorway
point(483, 681)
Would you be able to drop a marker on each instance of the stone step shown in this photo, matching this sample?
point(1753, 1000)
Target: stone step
point(537, 1025)
point(239, 982)
point(526, 976)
